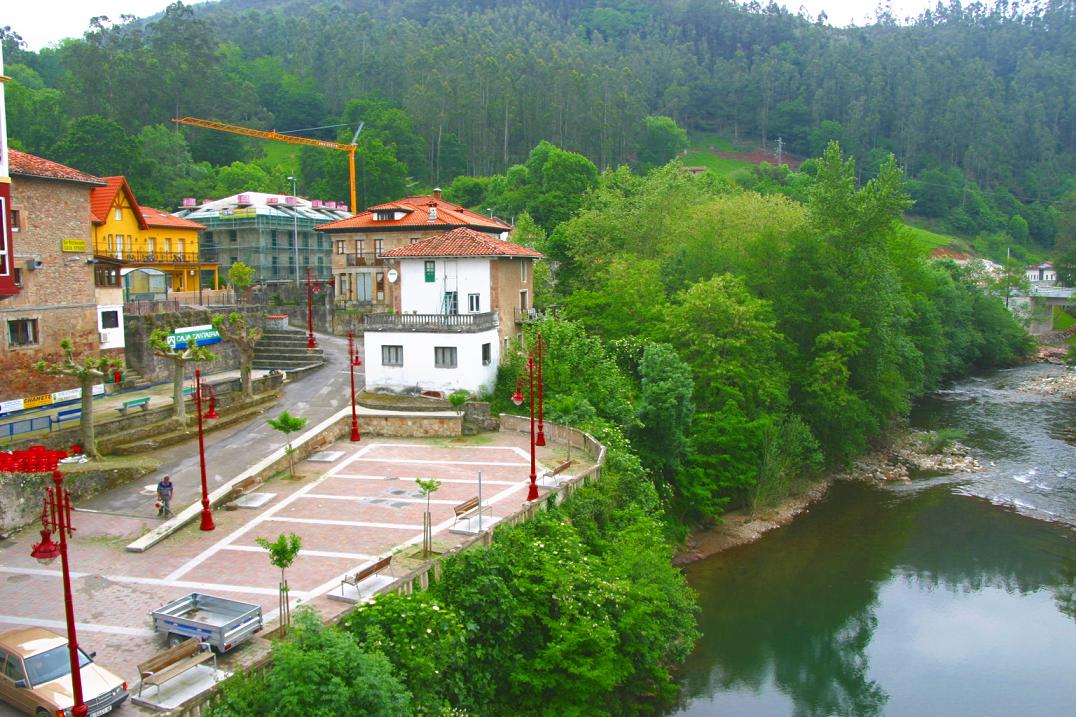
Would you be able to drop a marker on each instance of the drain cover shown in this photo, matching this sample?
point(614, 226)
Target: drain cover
point(325, 456)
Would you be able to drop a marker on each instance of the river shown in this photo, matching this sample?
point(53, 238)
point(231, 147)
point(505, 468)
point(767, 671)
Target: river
point(947, 595)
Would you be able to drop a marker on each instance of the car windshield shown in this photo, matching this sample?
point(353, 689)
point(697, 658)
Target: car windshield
point(47, 666)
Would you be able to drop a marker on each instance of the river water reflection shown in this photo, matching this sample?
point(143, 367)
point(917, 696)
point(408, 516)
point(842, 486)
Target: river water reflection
point(931, 598)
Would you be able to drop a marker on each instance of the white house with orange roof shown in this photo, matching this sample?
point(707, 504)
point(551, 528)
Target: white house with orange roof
point(463, 296)
point(361, 242)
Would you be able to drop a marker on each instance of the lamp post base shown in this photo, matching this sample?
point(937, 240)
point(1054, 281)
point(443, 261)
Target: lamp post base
point(207, 517)
point(311, 343)
point(540, 440)
point(355, 437)
point(532, 492)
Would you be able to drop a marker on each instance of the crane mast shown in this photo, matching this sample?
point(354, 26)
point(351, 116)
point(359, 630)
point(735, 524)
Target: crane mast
point(290, 139)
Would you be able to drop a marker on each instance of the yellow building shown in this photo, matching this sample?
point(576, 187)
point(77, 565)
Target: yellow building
point(136, 236)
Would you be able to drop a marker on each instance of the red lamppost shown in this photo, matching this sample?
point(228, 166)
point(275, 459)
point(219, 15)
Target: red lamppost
point(540, 441)
point(517, 398)
point(312, 286)
point(56, 516)
point(353, 361)
point(207, 517)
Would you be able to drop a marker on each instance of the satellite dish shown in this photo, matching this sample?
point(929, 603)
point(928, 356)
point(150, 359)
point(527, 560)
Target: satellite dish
point(393, 276)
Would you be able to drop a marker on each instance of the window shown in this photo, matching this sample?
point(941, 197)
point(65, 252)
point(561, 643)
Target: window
point(16, 220)
point(105, 276)
point(22, 332)
point(523, 301)
point(180, 249)
point(414, 240)
point(522, 271)
point(272, 239)
point(431, 271)
point(392, 355)
point(11, 667)
point(444, 356)
point(319, 242)
point(340, 247)
point(119, 213)
point(233, 259)
point(306, 241)
point(450, 304)
point(384, 215)
point(151, 247)
point(18, 277)
point(474, 303)
point(487, 354)
point(378, 246)
point(233, 235)
point(276, 267)
point(110, 319)
point(360, 246)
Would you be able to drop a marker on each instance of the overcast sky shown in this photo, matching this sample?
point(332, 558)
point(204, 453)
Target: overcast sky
point(45, 22)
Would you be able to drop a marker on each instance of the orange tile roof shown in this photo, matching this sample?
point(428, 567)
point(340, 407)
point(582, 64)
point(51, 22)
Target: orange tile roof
point(158, 218)
point(416, 213)
point(30, 165)
point(462, 242)
point(102, 199)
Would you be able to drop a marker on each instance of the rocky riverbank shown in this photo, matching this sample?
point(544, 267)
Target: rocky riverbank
point(1061, 385)
point(916, 451)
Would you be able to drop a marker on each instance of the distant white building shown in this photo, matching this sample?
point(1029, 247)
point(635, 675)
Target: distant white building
point(1043, 274)
point(463, 296)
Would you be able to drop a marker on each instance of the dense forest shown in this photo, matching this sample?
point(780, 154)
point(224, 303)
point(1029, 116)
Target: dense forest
point(975, 102)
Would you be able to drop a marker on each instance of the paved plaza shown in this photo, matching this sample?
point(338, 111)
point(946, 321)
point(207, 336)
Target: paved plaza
point(353, 503)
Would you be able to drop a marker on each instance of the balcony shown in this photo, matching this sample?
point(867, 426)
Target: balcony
point(366, 258)
point(454, 323)
point(146, 257)
point(522, 316)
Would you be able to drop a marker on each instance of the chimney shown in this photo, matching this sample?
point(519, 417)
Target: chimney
point(437, 193)
point(432, 216)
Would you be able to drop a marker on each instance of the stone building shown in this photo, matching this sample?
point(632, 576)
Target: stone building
point(361, 242)
point(54, 272)
point(274, 234)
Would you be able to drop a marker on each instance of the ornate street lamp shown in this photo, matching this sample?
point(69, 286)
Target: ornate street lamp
point(353, 361)
point(517, 398)
point(56, 516)
point(207, 516)
point(312, 286)
point(540, 441)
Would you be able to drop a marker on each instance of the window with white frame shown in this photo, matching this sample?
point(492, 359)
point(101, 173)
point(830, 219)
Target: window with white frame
point(444, 356)
point(391, 355)
point(487, 354)
point(340, 247)
point(474, 303)
point(23, 332)
point(110, 319)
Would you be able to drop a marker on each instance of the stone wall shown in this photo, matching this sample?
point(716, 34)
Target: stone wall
point(21, 493)
point(410, 426)
point(156, 369)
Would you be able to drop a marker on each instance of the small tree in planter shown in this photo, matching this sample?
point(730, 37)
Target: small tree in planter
point(457, 399)
point(282, 553)
point(427, 488)
point(234, 329)
point(88, 371)
point(158, 341)
point(240, 277)
point(288, 424)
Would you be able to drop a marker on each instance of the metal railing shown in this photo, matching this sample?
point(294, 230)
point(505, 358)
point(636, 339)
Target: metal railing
point(366, 258)
point(141, 308)
point(152, 257)
point(523, 315)
point(432, 322)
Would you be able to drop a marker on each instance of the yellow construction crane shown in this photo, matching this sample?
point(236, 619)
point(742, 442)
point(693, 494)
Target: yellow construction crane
point(290, 139)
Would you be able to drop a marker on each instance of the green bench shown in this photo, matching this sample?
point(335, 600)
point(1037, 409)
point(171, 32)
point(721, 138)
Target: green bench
point(72, 414)
point(142, 403)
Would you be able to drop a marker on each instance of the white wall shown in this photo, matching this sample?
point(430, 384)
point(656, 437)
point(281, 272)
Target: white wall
point(113, 337)
point(422, 297)
point(418, 368)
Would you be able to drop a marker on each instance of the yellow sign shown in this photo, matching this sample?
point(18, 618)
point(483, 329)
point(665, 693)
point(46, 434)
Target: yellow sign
point(34, 401)
point(75, 245)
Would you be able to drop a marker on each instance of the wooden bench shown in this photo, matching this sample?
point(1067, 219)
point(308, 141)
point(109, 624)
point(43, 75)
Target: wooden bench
point(467, 507)
point(558, 470)
point(142, 403)
point(368, 571)
point(244, 486)
point(172, 662)
point(72, 414)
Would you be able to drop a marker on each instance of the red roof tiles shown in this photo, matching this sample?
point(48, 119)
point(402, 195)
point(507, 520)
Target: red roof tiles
point(416, 214)
point(158, 218)
point(30, 165)
point(462, 242)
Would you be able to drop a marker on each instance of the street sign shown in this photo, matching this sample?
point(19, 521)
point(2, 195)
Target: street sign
point(201, 335)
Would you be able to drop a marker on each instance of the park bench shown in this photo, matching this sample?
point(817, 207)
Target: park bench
point(551, 474)
point(469, 507)
point(244, 486)
point(142, 403)
point(72, 414)
point(367, 572)
point(174, 661)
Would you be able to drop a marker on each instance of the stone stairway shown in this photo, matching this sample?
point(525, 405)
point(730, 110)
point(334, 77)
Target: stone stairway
point(132, 380)
point(285, 349)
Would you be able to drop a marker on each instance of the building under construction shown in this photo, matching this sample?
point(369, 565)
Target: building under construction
point(271, 233)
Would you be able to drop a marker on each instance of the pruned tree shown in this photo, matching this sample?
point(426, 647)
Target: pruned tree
point(282, 553)
point(87, 371)
point(288, 424)
point(234, 329)
point(427, 487)
point(158, 341)
point(240, 276)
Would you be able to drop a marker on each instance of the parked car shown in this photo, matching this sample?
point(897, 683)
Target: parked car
point(35, 675)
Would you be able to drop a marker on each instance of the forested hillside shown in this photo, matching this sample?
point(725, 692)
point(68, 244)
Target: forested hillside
point(976, 103)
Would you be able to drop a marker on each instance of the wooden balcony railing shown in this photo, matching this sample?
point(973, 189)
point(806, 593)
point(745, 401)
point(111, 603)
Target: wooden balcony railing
point(431, 322)
point(366, 258)
point(146, 257)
